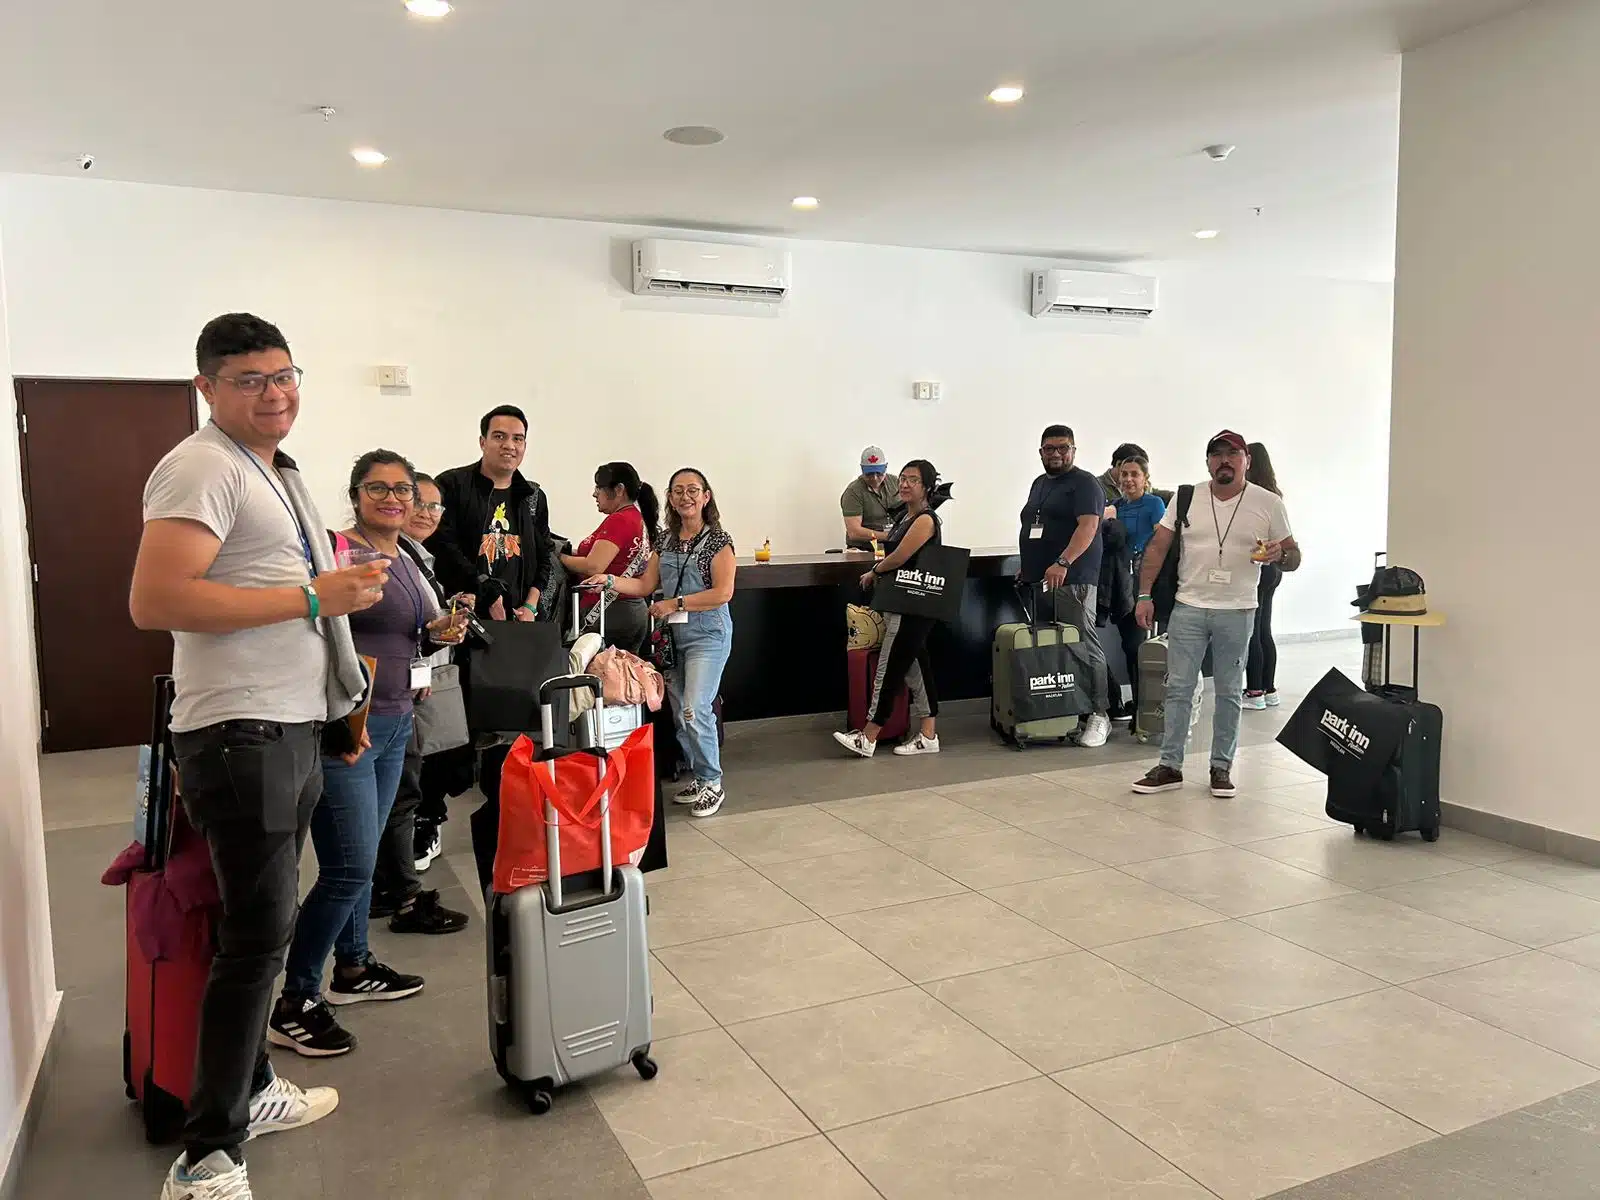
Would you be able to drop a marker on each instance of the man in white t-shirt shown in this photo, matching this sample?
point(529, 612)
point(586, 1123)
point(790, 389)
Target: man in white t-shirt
point(1232, 528)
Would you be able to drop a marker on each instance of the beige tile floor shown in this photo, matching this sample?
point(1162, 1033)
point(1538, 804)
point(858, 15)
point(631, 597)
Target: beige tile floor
point(996, 983)
point(1044, 985)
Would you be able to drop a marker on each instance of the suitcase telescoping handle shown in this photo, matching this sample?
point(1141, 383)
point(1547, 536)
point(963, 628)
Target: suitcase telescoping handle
point(577, 611)
point(551, 753)
point(1033, 597)
point(158, 795)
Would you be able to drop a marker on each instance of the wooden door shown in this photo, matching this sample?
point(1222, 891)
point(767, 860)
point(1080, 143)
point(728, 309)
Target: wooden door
point(87, 448)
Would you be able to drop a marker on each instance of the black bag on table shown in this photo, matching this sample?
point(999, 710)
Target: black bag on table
point(504, 677)
point(931, 588)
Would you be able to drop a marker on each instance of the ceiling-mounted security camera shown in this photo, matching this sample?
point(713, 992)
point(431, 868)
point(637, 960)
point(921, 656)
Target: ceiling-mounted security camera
point(1218, 152)
point(85, 162)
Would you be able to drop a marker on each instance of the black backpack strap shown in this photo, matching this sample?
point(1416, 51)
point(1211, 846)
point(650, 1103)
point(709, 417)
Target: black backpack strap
point(1185, 498)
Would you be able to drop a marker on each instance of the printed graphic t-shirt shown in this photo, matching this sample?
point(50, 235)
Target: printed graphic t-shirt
point(500, 552)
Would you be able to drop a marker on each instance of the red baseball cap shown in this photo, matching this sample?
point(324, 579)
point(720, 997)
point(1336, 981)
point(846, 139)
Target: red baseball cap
point(1228, 438)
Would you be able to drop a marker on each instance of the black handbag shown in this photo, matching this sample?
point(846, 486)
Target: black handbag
point(504, 677)
point(931, 588)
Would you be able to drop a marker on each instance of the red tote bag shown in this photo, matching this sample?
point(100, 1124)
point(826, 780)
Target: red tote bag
point(575, 792)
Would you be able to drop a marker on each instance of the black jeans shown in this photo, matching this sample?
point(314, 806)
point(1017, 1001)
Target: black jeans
point(394, 877)
point(1074, 604)
point(903, 662)
point(1261, 667)
point(1132, 638)
point(249, 787)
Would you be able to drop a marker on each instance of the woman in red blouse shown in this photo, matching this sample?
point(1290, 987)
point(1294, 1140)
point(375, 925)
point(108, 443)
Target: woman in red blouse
point(621, 547)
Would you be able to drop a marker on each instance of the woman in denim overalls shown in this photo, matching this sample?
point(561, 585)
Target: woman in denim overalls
point(693, 570)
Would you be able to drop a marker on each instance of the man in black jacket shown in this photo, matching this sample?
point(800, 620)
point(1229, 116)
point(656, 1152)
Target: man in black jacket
point(493, 537)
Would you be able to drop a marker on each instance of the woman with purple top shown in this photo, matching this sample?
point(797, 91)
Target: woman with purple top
point(359, 789)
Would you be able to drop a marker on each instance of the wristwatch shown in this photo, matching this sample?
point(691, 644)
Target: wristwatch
point(680, 604)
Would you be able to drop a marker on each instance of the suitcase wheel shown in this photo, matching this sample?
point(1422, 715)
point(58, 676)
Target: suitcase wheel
point(1142, 738)
point(127, 1065)
point(1361, 830)
point(644, 1064)
point(537, 1098)
point(1431, 835)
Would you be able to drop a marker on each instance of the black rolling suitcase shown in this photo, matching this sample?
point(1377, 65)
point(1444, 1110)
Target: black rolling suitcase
point(1405, 796)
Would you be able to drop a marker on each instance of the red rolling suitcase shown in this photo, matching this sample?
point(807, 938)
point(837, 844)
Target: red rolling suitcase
point(863, 669)
point(164, 994)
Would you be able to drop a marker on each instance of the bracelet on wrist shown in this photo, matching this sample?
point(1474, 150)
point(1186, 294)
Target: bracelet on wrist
point(313, 601)
point(1146, 596)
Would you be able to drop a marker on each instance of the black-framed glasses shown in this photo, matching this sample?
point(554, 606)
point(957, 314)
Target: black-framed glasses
point(1056, 448)
point(431, 507)
point(253, 383)
point(377, 490)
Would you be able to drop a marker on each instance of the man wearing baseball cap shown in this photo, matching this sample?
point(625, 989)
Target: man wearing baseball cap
point(1226, 529)
point(871, 504)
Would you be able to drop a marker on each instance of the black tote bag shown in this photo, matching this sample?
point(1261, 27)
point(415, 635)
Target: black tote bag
point(1052, 681)
point(504, 677)
point(1344, 732)
point(931, 588)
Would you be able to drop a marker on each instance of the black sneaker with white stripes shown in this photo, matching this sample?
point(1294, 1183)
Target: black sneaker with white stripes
point(309, 1028)
point(371, 981)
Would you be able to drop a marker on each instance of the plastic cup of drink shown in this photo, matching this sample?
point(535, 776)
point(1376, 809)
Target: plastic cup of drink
point(1260, 554)
point(360, 556)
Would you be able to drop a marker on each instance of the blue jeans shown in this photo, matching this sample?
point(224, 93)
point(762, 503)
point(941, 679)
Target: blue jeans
point(1191, 630)
point(345, 829)
point(702, 648)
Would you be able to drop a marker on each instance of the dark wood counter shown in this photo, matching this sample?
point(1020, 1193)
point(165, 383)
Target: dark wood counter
point(828, 570)
point(789, 631)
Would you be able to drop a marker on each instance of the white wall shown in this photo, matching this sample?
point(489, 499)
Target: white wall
point(28, 996)
point(1497, 353)
point(116, 279)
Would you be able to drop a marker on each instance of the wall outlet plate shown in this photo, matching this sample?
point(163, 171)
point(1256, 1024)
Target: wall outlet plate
point(925, 390)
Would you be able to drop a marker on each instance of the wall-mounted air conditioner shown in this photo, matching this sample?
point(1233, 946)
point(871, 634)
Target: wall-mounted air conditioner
point(1062, 293)
point(733, 272)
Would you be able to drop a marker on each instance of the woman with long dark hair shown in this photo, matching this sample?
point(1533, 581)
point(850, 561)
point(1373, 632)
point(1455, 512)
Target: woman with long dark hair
point(619, 547)
point(1261, 667)
point(693, 569)
point(903, 660)
point(359, 787)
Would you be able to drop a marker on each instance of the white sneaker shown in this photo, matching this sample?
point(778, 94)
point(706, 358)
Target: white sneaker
point(214, 1177)
point(710, 799)
point(1095, 731)
point(1273, 699)
point(281, 1105)
point(1255, 703)
point(425, 859)
point(689, 794)
point(918, 745)
point(856, 742)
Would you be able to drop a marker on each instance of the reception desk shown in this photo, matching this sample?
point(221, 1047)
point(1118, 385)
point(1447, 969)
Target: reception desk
point(789, 632)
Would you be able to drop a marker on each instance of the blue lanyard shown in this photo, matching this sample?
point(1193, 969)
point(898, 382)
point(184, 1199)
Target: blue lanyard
point(305, 545)
point(400, 576)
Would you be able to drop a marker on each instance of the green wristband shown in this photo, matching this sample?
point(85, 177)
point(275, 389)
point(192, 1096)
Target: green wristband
point(313, 601)
point(1147, 596)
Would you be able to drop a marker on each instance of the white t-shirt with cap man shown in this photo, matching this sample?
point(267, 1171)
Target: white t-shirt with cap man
point(1215, 569)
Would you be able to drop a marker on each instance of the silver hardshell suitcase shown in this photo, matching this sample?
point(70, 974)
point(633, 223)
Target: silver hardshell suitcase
point(569, 966)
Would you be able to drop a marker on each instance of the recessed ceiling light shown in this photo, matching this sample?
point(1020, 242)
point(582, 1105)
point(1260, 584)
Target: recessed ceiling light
point(694, 135)
point(806, 202)
point(368, 157)
point(1008, 93)
point(1206, 235)
point(432, 9)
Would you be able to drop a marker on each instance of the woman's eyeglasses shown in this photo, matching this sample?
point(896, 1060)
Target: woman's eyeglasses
point(689, 493)
point(400, 491)
point(433, 509)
